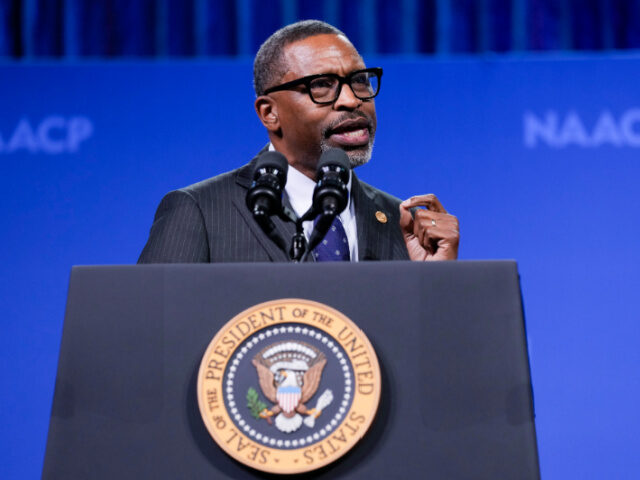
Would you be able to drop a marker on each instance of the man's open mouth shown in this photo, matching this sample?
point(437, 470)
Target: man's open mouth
point(351, 132)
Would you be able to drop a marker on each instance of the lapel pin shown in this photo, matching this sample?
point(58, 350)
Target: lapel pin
point(381, 217)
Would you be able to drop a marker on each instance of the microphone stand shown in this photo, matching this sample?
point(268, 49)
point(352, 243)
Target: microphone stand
point(298, 244)
point(298, 241)
point(298, 249)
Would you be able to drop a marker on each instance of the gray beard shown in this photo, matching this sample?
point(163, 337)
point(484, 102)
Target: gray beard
point(356, 158)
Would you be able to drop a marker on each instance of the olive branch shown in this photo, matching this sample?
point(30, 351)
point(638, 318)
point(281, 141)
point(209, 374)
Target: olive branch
point(253, 402)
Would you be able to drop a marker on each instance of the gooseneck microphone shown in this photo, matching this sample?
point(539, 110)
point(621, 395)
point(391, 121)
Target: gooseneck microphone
point(330, 197)
point(264, 197)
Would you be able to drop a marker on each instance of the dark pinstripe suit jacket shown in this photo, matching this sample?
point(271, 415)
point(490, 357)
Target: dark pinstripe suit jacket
point(209, 222)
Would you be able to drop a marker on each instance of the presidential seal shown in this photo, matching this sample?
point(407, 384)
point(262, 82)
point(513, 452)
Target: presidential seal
point(288, 386)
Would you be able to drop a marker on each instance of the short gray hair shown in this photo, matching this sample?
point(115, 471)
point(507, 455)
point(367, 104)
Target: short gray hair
point(269, 66)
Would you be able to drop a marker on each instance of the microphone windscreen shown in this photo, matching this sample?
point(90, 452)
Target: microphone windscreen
point(334, 156)
point(272, 160)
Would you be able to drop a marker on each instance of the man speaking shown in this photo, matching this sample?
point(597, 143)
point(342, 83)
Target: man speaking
point(314, 93)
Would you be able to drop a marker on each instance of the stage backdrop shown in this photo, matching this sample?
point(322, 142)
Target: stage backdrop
point(538, 157)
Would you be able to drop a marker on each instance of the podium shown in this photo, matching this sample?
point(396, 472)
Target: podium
point(456, 399)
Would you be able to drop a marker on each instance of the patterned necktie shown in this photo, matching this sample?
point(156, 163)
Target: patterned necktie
point(335, 246)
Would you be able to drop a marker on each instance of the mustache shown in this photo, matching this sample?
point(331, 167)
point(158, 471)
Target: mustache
point(355, 115)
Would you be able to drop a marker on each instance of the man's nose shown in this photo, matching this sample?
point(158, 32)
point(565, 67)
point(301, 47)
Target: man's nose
point(347, 99)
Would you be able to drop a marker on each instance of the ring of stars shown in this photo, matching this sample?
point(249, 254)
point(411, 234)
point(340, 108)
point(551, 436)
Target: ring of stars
point(272, 334)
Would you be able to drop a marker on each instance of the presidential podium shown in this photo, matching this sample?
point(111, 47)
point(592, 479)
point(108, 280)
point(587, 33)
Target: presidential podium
point(456, 398)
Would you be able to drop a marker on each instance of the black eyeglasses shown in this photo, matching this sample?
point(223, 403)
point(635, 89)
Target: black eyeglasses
point(325, 88)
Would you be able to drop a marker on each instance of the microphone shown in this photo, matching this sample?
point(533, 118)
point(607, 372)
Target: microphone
point(264, 197)
point(330, 197)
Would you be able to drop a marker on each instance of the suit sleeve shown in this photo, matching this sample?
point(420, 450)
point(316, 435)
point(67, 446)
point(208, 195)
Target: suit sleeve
point(178, 233)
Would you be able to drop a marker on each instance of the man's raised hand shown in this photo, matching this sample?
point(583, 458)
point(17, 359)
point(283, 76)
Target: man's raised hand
point(431, 233)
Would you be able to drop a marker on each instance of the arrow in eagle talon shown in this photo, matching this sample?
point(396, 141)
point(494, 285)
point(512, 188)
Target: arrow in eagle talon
point(323, 402)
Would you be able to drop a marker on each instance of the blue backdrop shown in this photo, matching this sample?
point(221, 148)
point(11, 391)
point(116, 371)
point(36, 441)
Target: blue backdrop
point(187, 28)
point(537, 157)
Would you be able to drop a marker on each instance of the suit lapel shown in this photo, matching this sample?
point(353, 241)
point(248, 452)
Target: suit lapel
point(376, 240)
point(286, 229)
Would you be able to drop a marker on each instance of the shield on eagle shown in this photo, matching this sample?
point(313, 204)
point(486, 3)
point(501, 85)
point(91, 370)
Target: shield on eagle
point(288, 397)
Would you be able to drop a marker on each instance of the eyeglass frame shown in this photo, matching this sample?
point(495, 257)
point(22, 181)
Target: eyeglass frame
point(306, 81)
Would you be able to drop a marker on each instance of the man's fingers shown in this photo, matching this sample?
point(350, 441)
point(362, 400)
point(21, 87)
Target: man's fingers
point(427, 233)
point(430, 233)
point(435, 221)
point(427, 224)
point(429, 201)
point(432, 227)
point(406, 220)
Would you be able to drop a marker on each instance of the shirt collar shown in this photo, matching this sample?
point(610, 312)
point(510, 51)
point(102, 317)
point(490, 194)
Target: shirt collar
point(299, 189)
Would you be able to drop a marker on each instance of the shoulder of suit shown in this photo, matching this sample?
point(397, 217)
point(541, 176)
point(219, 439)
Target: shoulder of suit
point(212, 182)
point(379, 195)
point(240, 176)
point(220, 182)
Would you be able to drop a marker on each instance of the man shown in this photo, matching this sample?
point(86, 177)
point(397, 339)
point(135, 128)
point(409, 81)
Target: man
point(313, 93)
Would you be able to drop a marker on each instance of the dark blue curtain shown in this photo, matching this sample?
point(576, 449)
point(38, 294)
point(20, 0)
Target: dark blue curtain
point(188, 28)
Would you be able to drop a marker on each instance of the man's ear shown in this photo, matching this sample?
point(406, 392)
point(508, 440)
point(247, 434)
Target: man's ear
point(267, 110)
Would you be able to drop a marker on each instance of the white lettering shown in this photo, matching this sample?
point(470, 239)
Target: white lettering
point(47, 143)
point(80, 128)
point(606, 131)
point(627, 121)
point(572, 131)
point(23, 137)
point(53, 135)
point(535, 128)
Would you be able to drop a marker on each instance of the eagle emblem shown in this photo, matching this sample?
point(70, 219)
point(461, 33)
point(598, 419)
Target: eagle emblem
point(289, 373)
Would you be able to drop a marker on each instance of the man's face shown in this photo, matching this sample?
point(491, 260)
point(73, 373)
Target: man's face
point(306, 128)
